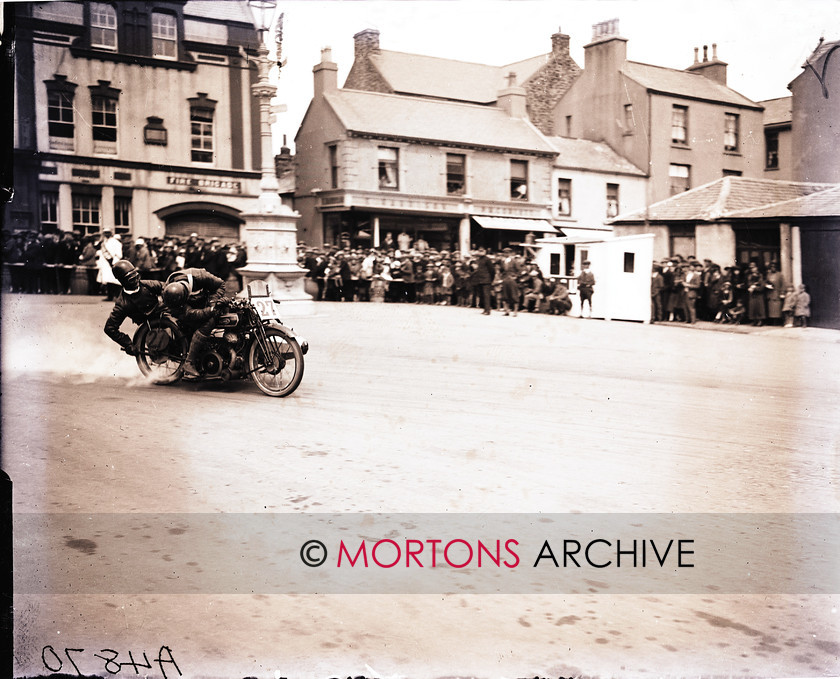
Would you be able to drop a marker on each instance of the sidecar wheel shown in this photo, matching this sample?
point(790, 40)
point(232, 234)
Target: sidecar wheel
point(161, 350)
point(277, 367)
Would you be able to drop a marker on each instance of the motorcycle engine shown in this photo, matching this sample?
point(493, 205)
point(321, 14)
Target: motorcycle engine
point(212, 363)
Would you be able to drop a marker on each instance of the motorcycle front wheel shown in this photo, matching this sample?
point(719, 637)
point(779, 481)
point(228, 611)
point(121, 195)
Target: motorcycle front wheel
point(161, 350)
point(276, 364)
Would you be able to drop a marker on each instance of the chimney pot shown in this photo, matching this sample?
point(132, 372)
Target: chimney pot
point(326, 54)
point(696, 55)
point(714, 51)
point(705, 52)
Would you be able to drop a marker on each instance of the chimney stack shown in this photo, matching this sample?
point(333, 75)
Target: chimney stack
point(513, 98)
point(366, 43)
point(559, 43)
point(713, 69)
point(325, 74)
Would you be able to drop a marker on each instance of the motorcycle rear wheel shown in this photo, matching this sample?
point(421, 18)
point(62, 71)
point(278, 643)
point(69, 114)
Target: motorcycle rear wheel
point(277, 368)
point(161, 350)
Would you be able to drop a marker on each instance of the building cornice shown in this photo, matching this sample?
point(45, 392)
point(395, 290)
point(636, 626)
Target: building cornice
point(449, 144)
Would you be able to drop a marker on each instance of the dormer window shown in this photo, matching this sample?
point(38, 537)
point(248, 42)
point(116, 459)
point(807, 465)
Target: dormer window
point(103, 26)
point(164, 36)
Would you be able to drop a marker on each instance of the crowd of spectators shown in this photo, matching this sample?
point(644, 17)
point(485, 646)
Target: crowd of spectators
point(687, 290)
point(51, 263)
point(682, 289)
point(430, 276)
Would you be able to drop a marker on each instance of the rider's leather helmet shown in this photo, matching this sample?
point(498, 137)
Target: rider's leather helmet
point(127, 274)
point(175, 295)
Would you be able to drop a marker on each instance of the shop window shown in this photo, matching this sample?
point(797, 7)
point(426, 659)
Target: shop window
point(103, 26)
point(519, 179)
point(564, 197)
point(679, 125)
point(612, 200)
point(86, 214)
point(731, 123)
point(680, 178)
point(164, 36)
point(388, 168)
point(682, 241)
point(629, 262)
point(49, 211)
point(456, 174)
point(154, 132)
point(122, 214)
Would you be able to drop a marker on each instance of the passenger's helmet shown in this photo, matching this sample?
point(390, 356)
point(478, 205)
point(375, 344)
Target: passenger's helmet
point(126, 273)
point(175, 295)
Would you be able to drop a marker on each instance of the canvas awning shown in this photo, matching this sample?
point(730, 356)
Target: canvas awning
point(515, 224)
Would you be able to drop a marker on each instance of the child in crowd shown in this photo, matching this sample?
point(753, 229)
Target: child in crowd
point(788, 305)
point(802, 309)
point(447, 280)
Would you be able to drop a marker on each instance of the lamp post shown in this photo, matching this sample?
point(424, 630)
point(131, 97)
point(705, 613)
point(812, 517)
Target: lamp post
point(271, 226)
point(264, 91)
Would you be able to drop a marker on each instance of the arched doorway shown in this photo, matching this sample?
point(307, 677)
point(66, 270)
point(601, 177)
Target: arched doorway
point(208, 220)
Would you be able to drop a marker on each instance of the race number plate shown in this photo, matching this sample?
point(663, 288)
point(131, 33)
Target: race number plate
point(265, 308)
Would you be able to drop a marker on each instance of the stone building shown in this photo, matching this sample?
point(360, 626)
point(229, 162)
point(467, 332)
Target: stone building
point(683, 128)
point(545, 78)
point(134, 116)
point(374, 165)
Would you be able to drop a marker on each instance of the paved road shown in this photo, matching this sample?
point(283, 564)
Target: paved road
point(410, 409)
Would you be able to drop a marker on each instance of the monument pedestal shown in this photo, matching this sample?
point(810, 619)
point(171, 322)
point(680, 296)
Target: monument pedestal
point(271, 240)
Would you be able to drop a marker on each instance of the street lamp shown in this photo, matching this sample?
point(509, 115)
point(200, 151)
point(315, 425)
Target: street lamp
point(264, 91)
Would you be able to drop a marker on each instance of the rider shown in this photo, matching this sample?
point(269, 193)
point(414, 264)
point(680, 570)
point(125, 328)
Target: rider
point(195, 297)
point(137, 300)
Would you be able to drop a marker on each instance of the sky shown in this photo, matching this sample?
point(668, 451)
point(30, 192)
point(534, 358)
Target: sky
point(765, 42)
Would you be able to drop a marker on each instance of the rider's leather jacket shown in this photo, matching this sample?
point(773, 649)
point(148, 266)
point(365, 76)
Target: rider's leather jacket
point(137, 306)
point(205, 291)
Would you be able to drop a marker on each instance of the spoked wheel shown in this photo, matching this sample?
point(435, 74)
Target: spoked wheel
point(162, 350)
point(276, 364)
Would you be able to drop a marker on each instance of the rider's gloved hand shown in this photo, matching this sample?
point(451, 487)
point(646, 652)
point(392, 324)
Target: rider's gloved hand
point(130, 350)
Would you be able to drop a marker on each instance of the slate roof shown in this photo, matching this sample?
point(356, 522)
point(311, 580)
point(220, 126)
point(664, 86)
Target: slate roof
point(722, 198)
point(393, 115)
point(425, 76)
point(223, 10)
point(819, 204)
point(683, 83)
point(777, 111)
point(582, 154)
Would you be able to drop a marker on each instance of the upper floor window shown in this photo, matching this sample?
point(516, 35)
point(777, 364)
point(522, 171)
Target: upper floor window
point(568, 126)
point(60, 116)
point(680, 176)
point(612, 200)
point(629, 120)
point(333, 149)
point(771, 142)
point(564, 197)
point(388, 168)
point(49, 211)
point(86, 214)
point(679, 124)
point(730, 131)
point(202, 111)
point(103, 26)
point(732, 173)
point(104, 118)
point(456, 174)
point(519, 179)
point(164, 36)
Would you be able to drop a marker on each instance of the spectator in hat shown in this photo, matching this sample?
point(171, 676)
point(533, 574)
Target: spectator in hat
point(511, 267)
point(586, 287)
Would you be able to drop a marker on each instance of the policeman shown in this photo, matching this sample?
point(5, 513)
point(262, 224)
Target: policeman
point(196, 298)
point(137, 301)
